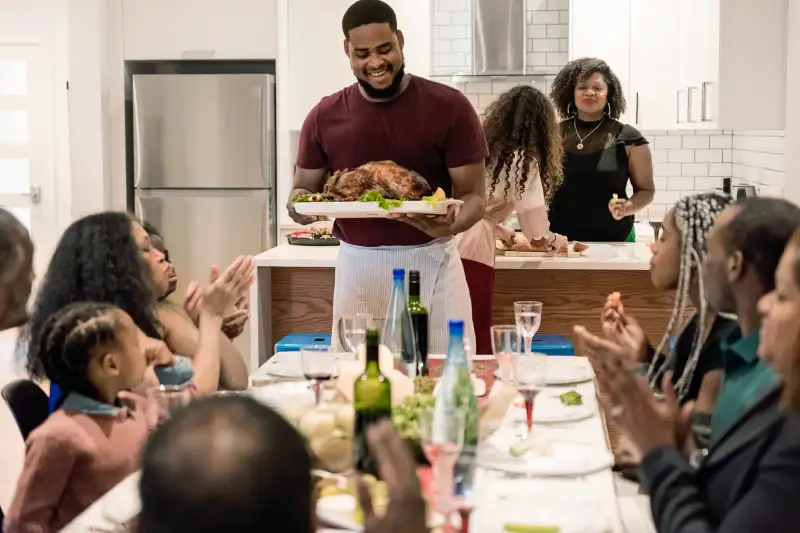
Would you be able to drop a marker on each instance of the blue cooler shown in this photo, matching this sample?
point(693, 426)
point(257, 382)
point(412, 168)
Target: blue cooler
point(553, 345)
point(295, 341)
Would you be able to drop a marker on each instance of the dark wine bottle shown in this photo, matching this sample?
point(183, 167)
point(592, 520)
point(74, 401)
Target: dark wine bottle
point(419, 321)
point(372, 400)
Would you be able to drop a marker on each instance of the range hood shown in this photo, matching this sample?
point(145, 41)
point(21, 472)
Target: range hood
point(499, 38)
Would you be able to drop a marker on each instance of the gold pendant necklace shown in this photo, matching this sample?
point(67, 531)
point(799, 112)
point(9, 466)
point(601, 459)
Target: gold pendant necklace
point(581, 139)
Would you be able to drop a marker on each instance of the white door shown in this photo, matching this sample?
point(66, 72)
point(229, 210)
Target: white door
point(26, 141)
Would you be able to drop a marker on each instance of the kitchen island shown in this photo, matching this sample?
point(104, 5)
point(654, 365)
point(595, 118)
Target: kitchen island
point(293, 292)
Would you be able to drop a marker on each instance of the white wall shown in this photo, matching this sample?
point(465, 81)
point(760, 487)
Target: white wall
point(792, 138)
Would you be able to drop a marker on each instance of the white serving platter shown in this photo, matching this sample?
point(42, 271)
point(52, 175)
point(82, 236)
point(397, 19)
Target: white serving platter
point(371, 209)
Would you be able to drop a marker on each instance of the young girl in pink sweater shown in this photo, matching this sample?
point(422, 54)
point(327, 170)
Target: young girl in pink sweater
point(94, 441)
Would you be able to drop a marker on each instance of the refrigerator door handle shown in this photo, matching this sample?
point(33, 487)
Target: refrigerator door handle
point(137, 136)
point(267, 131)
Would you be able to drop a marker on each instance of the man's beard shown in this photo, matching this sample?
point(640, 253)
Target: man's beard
point(389, 92)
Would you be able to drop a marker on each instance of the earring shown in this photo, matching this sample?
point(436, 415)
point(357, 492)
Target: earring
point(569, 105)
point(608, 105)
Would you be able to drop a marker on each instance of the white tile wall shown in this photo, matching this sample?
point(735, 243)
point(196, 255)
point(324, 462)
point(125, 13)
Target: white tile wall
point(548, 29)
point(684, 161)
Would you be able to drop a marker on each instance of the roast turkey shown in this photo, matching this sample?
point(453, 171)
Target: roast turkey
point(386, 177)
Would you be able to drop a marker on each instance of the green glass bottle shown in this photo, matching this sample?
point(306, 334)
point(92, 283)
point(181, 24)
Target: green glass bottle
point(419, 321)
point(372, 400)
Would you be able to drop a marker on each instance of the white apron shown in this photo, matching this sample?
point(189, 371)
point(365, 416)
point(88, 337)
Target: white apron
point(364, 285)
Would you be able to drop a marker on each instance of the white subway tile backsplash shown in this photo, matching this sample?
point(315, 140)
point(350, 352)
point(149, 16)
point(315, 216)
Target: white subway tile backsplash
point(462, 45)
point(667, 169)
point(719, 169)
point(563, 17)
point(696, 142)
point(558, 5)
point(442, 18)
point(666, 142)
point(659, 156)
point(694, 169)
point(680, 156)
point(680, 184)
point(463, 19)
point(545, 45)
point(556, 59)
point(721, 141)
point(708, 156)
point(538, 31)
point(537, 58)
point(557, 31)
point(727, 155)
point(451, 5)
point(545, 17)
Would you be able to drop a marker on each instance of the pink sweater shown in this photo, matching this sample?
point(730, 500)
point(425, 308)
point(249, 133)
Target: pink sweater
point(73, 459)
point(478, 242)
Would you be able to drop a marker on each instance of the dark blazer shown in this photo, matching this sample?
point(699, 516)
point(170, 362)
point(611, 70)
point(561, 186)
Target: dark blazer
point(747, 482)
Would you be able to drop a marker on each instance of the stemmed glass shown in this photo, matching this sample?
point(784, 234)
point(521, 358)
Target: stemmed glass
point(354, 331)
point(442, 438)
point(530, 377)
point(505, 345)
point(319, 365)
point(528, 316)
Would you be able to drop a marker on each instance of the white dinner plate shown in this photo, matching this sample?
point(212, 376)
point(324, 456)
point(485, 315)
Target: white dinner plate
point(548, 409)
point(564, 374)
point(371, 209)
point(339, 511)
point(562, 459)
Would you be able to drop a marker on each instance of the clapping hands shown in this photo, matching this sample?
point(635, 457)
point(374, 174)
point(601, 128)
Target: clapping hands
point(224, 296)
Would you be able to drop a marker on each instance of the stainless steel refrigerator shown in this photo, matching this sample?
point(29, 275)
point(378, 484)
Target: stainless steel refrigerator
point(204, 166)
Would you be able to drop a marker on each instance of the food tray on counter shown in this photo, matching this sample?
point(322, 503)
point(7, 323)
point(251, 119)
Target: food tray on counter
point(570, 253)
point(305, 241)
point(372, 209)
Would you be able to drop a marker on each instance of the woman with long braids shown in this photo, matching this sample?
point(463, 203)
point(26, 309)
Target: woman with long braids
point(696, 357)
point(523, 172)
point(602, 155)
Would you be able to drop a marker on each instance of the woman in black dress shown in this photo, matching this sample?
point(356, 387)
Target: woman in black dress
point(601, 155)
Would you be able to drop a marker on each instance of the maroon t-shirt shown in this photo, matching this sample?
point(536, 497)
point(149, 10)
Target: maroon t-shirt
point(429, 128)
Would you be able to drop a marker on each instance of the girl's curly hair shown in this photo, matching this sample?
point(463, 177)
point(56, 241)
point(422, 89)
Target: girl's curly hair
point(96, 260)
point(522, 132)
point(577, 71)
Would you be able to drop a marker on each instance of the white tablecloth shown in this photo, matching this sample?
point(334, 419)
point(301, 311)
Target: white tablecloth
point(502, 499)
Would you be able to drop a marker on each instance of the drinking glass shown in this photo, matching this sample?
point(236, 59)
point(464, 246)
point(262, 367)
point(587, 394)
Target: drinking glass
point(528, 316)
point(353, 331)
point(530, 377)
point(442, 437)
point(505, 345)
point(164, 401)
point(319, 366)
point(469, 488)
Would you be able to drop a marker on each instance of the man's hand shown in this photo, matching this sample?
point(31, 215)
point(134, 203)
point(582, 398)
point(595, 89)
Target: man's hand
point(406, 510)
point(437, 226)
point(297, 217)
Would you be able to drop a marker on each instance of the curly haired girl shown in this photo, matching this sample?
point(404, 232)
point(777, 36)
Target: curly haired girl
point(523, 172)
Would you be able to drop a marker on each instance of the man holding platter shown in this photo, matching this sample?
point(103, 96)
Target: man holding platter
point(423, 126)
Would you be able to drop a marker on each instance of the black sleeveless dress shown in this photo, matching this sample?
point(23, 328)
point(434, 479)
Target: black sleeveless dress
point(579, 209)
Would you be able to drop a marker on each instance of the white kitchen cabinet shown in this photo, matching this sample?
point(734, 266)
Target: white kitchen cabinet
point(733, 64)
point(603, 30)
point(655, 64)
point(200, 29)
point(317, 62)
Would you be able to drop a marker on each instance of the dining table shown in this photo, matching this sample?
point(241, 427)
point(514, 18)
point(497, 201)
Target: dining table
point(598, 501)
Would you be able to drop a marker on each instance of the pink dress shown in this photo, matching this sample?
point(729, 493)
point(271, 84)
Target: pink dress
point(477, 246)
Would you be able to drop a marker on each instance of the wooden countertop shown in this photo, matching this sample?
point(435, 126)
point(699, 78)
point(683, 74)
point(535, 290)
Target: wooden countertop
point(599, 256)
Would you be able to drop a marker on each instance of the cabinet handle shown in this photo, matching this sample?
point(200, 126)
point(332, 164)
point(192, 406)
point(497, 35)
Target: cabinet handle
point(637, 109)
point(689, 104)
point(704, 114)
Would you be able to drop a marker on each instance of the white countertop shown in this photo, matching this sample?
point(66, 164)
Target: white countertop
point(599, 256)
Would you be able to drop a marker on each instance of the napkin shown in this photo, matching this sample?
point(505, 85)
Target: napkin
point(350, 371)
point(493, 411)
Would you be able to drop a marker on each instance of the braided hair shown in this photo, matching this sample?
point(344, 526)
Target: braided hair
point(694, 217)
point(68, 342)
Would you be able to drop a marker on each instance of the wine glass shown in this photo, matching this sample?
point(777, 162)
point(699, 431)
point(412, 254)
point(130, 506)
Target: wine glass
point(353, 331)
point(442, 437)
point(164, 401)
point(528, 316)
point(530, 377)
point(505, 345)
point(319, 365)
